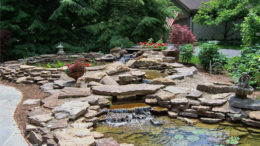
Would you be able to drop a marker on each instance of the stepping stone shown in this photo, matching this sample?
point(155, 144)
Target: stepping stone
point(71, 92)
point(115, 90)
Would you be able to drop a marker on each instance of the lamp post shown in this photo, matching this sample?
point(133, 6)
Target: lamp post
point(61, 51)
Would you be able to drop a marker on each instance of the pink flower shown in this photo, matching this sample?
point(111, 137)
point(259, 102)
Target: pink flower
point(83, 59)
point(87, 64)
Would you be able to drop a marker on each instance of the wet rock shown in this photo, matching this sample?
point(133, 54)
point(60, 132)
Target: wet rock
point(201, 108)
point(210, 120)
point(194, 94)
point(251, 122)
point(57, 124)
point(211, 114)
point(40, 120)
point(214, 89)
point(106, 142)
point(187, 121)
point(159, 110)
point(74, 136)
point(247, 103)
point(151, 101)
point(189, 113)
point(178, 101)
point(255, 115)
point(114, 90)
point(236, 117)
point(71, 109)
point(31, 101)
point(156, 123)
point(71, 92)
point(226, 108)
point(172, 114)
point(212, 102)
point(163, 81)
point(116, 67)
point(97, 135)
point(165, 103)
point(107, 80)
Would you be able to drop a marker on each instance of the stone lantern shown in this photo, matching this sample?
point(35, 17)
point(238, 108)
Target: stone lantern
point(60, 48)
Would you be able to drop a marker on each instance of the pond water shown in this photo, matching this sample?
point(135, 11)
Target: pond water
point(172, 132)
point(152, 74)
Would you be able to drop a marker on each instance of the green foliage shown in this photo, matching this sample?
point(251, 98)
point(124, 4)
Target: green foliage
point(250, 31)
point(226, 12)
point(209, 53)
point(233, 140)
point(81, 25)
point(186, 52)
point(247, 61)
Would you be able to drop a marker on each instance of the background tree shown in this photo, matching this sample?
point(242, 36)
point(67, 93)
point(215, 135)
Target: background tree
point(81, 25)
point(227, 12)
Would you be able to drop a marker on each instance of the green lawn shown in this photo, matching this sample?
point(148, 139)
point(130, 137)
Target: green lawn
point(229, 46)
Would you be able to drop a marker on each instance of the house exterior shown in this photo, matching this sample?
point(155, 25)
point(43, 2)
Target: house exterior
point(189, 9)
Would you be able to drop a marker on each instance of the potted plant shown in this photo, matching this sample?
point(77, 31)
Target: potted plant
point(76, 70)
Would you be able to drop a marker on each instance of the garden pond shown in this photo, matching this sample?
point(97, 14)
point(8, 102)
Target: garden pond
point(163, 131)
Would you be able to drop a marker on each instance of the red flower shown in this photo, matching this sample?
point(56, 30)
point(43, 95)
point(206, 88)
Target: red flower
point(151, 44)
point(83, 59)
point(165, 44)
point(145, 42)
point(155, 46)
point(141, 43)
point(87, 64)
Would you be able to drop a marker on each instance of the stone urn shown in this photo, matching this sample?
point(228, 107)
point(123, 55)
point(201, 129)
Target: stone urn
point(172, 52)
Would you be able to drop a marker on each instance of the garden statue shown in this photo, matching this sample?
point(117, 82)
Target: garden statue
point(242, 89)
point(60, 51)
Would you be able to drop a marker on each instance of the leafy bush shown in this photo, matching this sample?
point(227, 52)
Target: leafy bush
point(209, 53)
point(247, 61)
point(180, 35)
point(186, 52)
point(78, 66)
point(250, 31)
point(94, 25)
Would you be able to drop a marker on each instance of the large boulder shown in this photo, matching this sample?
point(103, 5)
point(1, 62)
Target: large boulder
point(247, 103)
point(115, 90)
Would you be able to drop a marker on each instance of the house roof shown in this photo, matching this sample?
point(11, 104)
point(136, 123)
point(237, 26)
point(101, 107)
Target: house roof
point(192, 4)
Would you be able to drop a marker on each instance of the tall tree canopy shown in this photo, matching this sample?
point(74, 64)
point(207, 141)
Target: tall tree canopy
point(227, 12)
point(36, 27)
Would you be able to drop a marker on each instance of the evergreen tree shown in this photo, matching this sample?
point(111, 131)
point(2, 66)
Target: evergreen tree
point(81, 25)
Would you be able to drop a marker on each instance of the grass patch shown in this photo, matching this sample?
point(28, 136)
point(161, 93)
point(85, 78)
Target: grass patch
point(194, 59)
point(227, 46)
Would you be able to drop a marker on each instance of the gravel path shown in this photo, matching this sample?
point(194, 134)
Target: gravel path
point(10, 134)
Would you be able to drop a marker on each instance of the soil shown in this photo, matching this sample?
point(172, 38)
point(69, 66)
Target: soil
point(29, 92)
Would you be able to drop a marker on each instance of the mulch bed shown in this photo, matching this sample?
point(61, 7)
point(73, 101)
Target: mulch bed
point(29, 92)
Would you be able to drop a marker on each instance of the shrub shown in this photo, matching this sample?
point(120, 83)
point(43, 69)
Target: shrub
point(181, 35)
point(247, 61)
point(209, 53)
point(186, 52)
point(78, 66)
